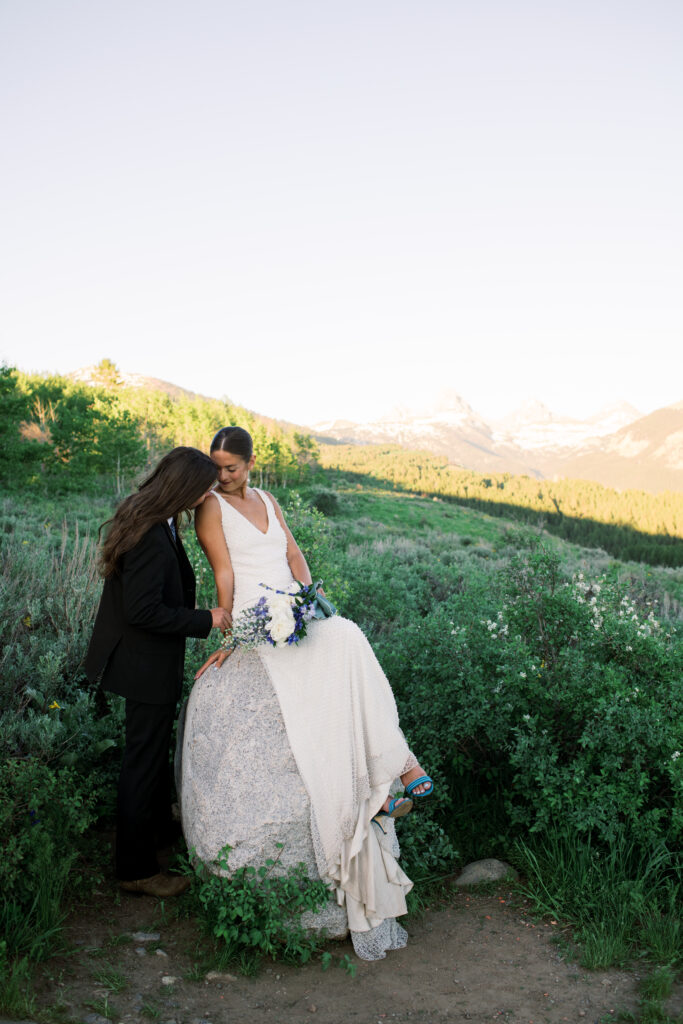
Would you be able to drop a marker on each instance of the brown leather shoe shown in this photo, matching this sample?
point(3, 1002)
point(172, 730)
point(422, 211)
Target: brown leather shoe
point(158, 885)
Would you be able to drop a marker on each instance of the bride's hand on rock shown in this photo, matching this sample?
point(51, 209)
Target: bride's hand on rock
point(221, 619)
point(216, 659)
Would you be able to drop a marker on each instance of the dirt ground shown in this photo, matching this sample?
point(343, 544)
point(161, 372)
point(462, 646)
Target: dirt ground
point(474, 958)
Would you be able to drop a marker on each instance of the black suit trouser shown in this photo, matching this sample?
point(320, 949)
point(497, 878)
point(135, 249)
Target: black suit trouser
point(144, 796)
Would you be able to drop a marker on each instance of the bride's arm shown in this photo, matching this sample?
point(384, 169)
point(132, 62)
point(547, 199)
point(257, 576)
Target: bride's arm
point(209, 526)
point(297, 562)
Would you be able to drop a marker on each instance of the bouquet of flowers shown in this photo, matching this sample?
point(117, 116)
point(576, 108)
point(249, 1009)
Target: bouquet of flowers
point(280, 619)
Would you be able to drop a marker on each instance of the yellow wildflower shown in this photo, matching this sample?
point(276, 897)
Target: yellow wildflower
point(55, 706)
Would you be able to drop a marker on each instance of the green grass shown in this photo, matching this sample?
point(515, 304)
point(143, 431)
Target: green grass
point(104, 1008)
point(410, 515)
point(655, 989)
point(368, 514)
point(623, 906)
point(150, 1010)
point(108, 977)
point(16, 988)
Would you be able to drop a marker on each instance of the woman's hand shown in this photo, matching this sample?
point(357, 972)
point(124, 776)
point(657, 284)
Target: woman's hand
point(221, 618)
point(216, 659)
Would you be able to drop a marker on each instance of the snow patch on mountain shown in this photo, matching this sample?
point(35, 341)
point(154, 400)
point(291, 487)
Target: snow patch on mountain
point(533, 427)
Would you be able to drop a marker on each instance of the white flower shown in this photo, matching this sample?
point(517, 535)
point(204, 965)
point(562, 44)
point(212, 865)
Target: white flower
point(522, 675)
point(676, 754)
point(281, 618)
point(527, 718)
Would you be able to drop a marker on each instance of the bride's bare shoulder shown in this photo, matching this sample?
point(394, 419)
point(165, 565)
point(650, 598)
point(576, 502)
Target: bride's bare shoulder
point(208, 512)
point(273, 501)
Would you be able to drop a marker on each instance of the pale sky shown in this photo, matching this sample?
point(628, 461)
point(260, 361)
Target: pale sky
point(326, 209)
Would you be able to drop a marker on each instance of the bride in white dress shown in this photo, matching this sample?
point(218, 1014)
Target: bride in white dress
point(337, 705)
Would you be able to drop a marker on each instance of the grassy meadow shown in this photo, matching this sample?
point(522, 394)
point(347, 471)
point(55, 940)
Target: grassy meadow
point(538, 680)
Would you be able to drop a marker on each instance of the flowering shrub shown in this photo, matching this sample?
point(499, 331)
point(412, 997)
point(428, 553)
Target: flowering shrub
point(563, 699)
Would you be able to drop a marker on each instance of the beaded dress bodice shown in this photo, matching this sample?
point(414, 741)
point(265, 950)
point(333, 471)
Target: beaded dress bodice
point(257, 557)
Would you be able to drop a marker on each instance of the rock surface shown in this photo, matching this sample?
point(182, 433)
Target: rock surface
point(222, 977)
point(238, 782)
point(488, 870)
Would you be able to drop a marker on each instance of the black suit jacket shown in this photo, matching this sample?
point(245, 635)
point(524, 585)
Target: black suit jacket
point(146, 611)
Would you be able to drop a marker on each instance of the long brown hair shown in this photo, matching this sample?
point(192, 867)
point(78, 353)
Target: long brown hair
point(180, 479)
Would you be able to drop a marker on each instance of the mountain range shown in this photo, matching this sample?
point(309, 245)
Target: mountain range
point(617, 447)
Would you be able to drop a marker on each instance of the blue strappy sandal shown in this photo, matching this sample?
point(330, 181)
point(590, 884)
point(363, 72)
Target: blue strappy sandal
point(420, 782)
point(398, 806)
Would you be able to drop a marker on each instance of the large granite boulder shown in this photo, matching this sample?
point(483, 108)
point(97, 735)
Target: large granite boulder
point(237, 780)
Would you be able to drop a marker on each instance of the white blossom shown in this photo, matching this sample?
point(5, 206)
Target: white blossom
point(281, 618)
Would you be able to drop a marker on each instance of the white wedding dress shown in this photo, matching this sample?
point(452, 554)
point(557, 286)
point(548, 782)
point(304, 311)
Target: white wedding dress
point(342, 726)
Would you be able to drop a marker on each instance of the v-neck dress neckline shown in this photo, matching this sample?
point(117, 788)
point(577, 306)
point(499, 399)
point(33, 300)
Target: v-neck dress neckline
point(264, 533)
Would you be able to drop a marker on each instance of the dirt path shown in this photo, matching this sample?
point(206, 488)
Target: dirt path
point(478, 958)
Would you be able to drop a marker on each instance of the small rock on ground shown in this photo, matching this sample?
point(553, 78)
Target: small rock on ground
point(488, 870)
point(145, 936)
point(220, 976)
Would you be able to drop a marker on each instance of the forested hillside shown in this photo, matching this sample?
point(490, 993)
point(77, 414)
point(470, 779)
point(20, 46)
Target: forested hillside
point(73, 436)
point(632, 525)
point(64, 436)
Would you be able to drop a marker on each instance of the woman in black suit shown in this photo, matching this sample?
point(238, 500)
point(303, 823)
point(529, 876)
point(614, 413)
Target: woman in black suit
point(146, 611)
